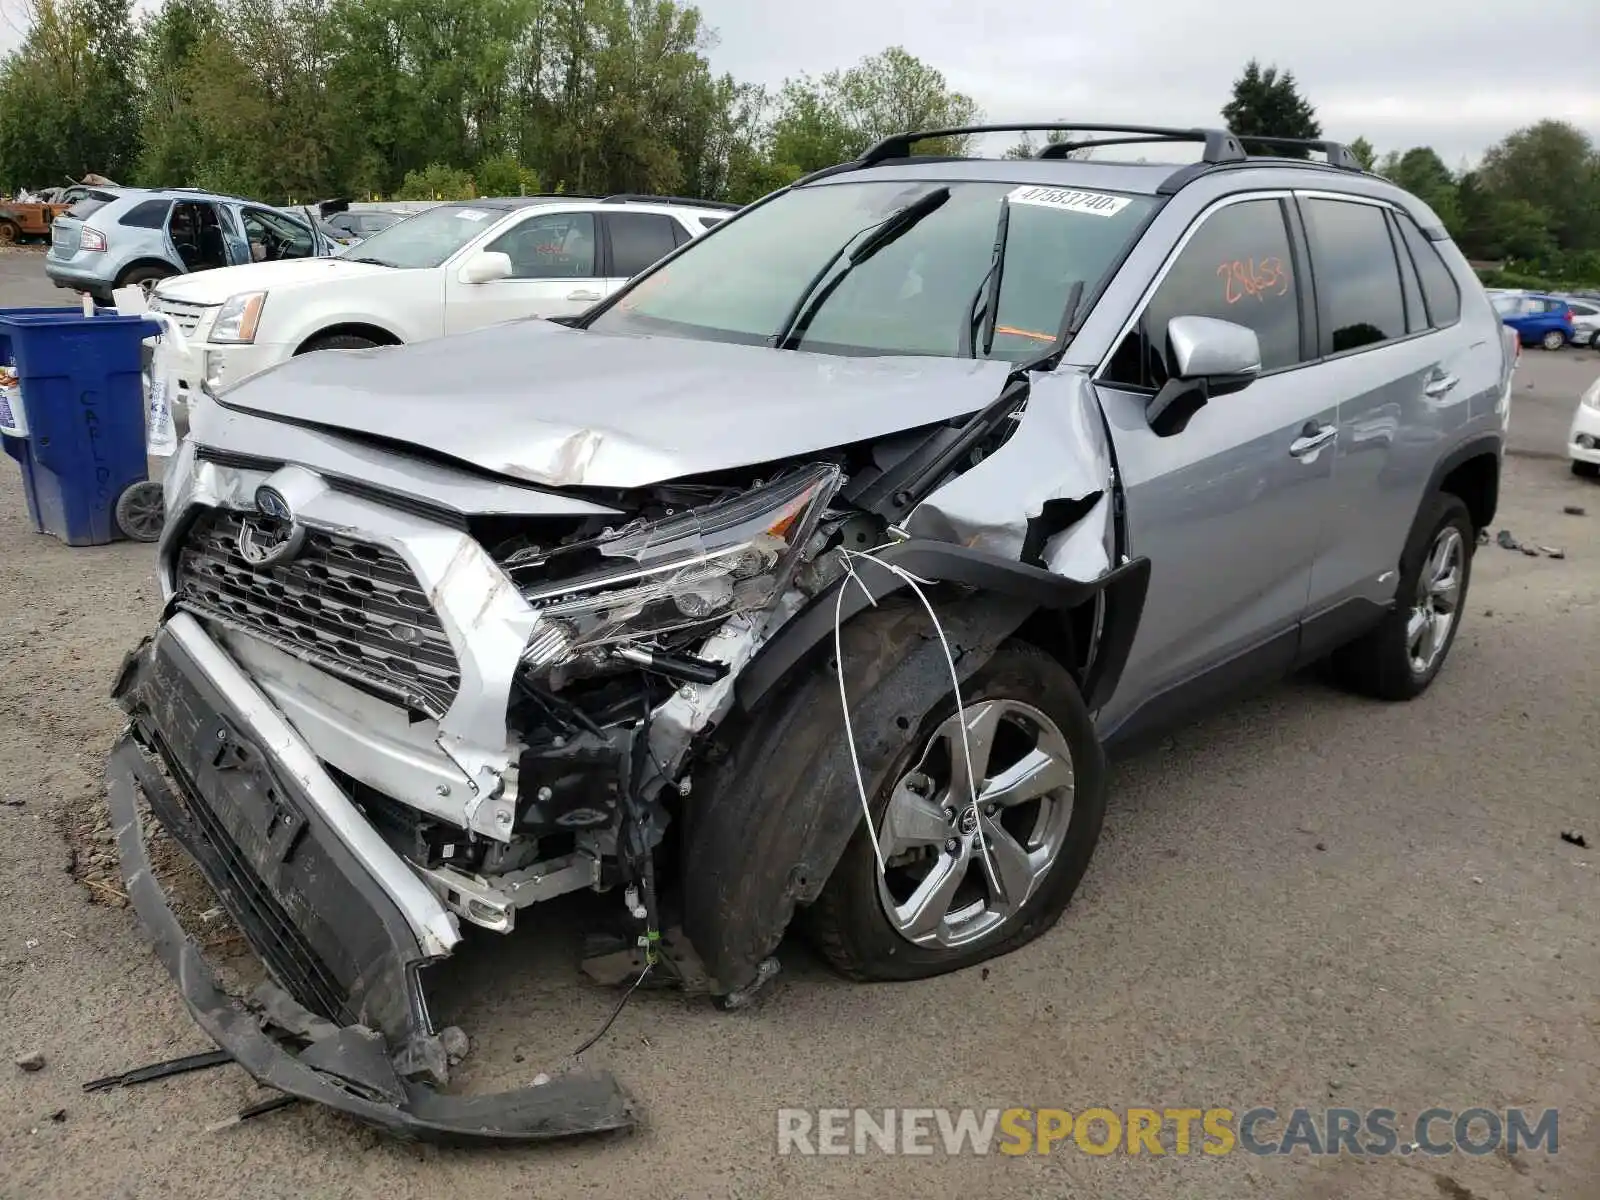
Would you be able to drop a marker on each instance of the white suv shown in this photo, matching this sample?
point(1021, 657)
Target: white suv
point(451, 268)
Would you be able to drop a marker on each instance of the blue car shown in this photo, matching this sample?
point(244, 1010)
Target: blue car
point(1538, 319)
point(116, 236)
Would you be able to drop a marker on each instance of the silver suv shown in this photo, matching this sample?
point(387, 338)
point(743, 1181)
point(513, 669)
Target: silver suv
point(810, 576)
point(115, 236)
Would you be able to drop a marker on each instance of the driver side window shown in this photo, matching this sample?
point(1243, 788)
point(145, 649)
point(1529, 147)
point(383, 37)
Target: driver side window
point(550, 246)
point(1237, 267)
point(273, 236)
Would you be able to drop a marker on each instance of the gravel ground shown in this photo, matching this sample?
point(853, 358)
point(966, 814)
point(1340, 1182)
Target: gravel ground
point(1306, 899)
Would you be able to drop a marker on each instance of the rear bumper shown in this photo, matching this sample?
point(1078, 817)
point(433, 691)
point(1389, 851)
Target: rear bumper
point(343, 934)
point(66, 275)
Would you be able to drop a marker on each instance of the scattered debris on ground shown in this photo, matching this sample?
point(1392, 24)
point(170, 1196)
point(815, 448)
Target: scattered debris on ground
point(1507, 542)
point(1532, 549)
point(1553, 551)
point(1574, 838)
point(31, 1062)
point(1575, 510)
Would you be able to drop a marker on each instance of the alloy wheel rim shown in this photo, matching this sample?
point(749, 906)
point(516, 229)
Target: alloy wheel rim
point(1438, 600)
point(958, 872)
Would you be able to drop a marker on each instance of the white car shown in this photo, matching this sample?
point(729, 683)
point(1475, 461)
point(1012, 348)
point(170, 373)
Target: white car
point(1585, 321)
point(1583, 439)
point(451, 268)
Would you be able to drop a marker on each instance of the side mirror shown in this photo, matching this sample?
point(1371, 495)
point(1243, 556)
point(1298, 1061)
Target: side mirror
point(485, 267)
point(1207, 358)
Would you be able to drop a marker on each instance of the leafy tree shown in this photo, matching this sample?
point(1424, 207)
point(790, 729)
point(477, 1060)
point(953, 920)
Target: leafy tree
point(1026, 147)
point(437, 181)
point(1551, 166)
point(1423, 173)
point(503, 175)
point(1268, 103)
point(1364, 153)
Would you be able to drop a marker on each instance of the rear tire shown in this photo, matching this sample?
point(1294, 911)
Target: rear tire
point(338, 341)
point(1402, 656)
point(1554, 340)
point(1586, 470)
point(850, 923)
point(144, 276)
point(10, 233)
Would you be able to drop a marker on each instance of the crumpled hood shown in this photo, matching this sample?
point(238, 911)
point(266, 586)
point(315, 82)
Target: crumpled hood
point(537, 401)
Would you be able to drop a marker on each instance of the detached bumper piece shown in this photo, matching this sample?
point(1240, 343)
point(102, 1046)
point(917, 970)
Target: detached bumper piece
point(343, 956)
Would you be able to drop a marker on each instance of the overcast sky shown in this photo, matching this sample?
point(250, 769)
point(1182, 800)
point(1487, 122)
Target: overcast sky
point(1454, 74)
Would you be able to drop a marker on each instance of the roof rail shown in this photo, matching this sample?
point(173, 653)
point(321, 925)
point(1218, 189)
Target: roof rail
point(1338, 153)
point(1220, 144)
point(631, 197)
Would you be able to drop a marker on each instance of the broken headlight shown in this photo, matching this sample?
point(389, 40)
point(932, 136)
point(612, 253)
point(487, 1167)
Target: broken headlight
point(691, 569)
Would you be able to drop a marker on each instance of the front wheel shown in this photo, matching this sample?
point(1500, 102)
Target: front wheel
point(1553, 340)
point(337, 341)
point(1586, 470)
point(966, 882)
point(10, 233)
point(1403, 655)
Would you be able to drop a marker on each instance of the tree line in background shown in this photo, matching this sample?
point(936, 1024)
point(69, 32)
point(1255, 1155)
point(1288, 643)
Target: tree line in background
point(307, 99)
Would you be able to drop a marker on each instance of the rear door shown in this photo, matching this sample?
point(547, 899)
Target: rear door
point(1232, 510)
point(1407, 371)
point(635, 240)
point(555, 271)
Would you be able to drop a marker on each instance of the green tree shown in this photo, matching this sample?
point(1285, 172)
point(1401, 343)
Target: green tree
point(502, 175)
point(1268, 103)
point(1423, 173)
point(1364, 153)
point(438, 181)
point(1551, 166)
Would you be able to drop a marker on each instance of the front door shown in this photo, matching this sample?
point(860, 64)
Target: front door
point(1232, 510)
point(555, 272)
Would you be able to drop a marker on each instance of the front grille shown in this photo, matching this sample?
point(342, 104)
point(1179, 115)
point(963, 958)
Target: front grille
point(348, 607)
point(187, 316)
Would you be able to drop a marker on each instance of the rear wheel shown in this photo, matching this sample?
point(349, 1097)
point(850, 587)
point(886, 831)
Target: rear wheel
point(1402, 656)
point(1553, 340)
point(1586, 470)
point(10, 233)
point(144, 276)
point(966, 882)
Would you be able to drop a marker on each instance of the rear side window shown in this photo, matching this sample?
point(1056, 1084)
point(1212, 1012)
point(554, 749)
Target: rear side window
point(1438, 284)
point(92, 203)
point(151, 214)
point(637, 240)
point(1237, 267)
point(1584, 310)
point(1359, 300)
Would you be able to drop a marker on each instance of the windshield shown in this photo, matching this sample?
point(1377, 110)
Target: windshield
point(918, 294)
point(428, 238)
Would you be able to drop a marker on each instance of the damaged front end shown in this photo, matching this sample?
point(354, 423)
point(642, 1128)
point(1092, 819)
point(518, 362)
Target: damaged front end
point(392, 696)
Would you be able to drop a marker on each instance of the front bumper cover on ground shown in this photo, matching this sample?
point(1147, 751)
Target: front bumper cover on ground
point(328, 932)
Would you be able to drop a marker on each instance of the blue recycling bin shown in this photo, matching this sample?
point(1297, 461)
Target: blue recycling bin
point(78, 431)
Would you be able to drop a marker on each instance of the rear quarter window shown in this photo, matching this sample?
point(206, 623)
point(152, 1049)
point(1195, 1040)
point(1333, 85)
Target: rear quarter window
point(149, 214)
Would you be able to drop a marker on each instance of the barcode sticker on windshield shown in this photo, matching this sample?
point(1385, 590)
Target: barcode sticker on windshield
point(1097, 204)
point(471, 214)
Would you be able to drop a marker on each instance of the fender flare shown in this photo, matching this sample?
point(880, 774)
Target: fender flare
point(1474, 447)
point(945, 562)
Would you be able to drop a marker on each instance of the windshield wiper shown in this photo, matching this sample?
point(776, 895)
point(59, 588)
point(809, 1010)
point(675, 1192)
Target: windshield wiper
point(377, 262)
point(1069, 326)
point(988, 293)
point(886, 231)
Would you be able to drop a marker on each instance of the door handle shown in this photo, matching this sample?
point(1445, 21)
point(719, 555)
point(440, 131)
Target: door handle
point(1313, 437)
point(1439, 384)
point(583, 296)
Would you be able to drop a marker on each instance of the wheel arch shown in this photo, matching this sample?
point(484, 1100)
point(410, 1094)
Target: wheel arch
point(128, 268)
point(1471, 472)
point(361, 329)
point(777, 802)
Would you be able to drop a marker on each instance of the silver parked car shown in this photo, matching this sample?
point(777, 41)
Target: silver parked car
point(116, 236)
point(810, 576)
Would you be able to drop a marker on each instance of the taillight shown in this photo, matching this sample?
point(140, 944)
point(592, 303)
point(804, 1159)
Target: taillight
point(91, 239)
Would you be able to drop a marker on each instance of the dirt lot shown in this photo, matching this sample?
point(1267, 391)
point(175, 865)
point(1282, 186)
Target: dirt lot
point(1305, 900)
